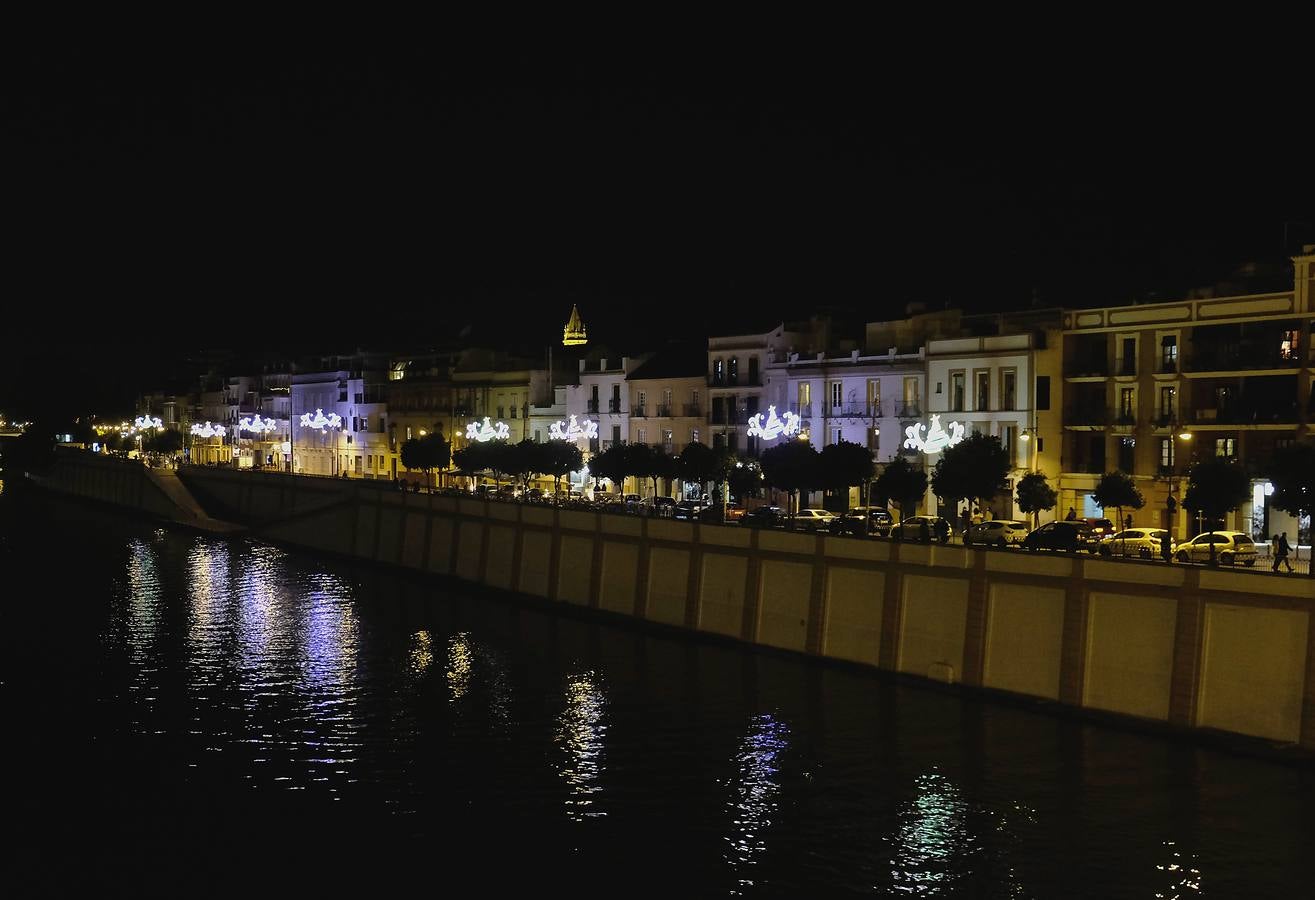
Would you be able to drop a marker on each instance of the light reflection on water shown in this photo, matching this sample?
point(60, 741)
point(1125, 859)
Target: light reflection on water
point(581, 730)
point(244, 666)
point(753, 795)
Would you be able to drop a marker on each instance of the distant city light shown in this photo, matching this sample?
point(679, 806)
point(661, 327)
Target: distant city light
point(487, 431)
point(573, 431)
point(320, 420)
point(774, 427)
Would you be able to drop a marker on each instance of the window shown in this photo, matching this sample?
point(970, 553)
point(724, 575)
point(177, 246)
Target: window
point(694, 435)
point(1166, 453)
point(1009, 390)
point(641, 405)
point(983, 390)
point(1224, 447)
point(1287, 345)
point(1168, 402)
point(753, 370)
point(837, 394)
point(1223, 399)
point(1128, 360)
point(643, 435)
point(911, 391)
point(1127, 448)
point(538, 435)
point(835, 435)
point(956, 391)
point(1009, 440)
point(1127, 405)
point(500, 415)
point(718, 369)
point(874, 438)
point(1043, 392)
point(616, 434)
point(694, 398)
point(805, 393)
point(733, 370)
point(1169, 353)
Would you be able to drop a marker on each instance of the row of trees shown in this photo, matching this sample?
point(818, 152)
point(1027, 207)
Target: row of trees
point(521, 462)
point(696, 464)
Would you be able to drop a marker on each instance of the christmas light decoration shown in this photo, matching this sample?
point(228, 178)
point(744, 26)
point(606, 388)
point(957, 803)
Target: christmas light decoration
point(320, 420)
point(487, 431)
point(937, 438)
point(572, 431)
point(773, 427)
point(257, 424)
point(208, 431)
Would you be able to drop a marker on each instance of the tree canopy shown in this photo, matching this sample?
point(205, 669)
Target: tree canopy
point(976, 468)
point(1216, 487)
point(791, 466)
point(1116, 490)
point(902, 484)
point(1035, 494)
point(1292, 472)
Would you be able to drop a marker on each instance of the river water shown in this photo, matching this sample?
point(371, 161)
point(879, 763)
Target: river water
point(190, 716)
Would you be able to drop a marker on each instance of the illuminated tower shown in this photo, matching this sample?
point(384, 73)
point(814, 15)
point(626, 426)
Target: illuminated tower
point(573, 335)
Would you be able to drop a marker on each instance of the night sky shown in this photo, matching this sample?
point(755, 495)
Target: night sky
point(166, 202)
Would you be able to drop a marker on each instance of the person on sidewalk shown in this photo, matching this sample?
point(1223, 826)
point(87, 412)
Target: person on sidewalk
point(1166, 547)
point(1284, 548)
point(1072, 515)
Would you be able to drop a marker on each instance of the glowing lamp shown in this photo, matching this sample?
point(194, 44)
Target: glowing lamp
point(936, 439)
point(573, 431)
point(1185, 436)
point(774, 427)
point(487, 431)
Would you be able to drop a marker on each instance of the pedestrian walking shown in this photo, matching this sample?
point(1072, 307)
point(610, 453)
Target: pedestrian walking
point(942, 531)
point(966, 518)
point(1284, 548)
point(924, 533)
point(977, 515)
point(1127, 521)
point(1166, 547)
point(1072, 515)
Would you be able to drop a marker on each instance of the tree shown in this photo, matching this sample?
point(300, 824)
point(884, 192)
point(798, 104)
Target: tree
point(1216, 487)
point(845, 465)
point(613, 463)
point(559, 458)
point(791, 466)
point(902, 484)
point(427, 453)
point(699, 464)
point(1292, 472)
point(650, 462)
point(976, 468)
point(745, 477)
point(1116, 489)
point(1035, 495)
point(166, 442)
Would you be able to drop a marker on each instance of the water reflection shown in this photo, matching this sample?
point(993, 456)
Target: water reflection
point(142, 623)
point(1182, 873)
point(207, 626)
point(754, 794)
point(580, 731)
point(932, 837)
point(460, 663)
point(420, 655)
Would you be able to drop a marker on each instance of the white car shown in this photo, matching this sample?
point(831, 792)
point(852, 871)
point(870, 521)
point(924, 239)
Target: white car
point(1140, 542)
point(813, 519)
point(998, 533)
point(1231, 547)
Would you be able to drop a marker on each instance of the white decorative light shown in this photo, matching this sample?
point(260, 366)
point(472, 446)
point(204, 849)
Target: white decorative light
point(487, 432)
point(287, 447)
point(144, 422)
point(320, 420)
point(937, 438)
point(256, 424)
point(773, 427)
point(562, 431)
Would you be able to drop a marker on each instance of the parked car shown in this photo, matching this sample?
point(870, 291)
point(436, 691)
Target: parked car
point(1071, 537)
point(713, 514)
point(662, 506)
point(863, 520)
point(997, 533)
point(911, 528)
point(764, 517)
point(1101, 528)
point(1231, 547)
point(1139, 542)
point(689, 509)
point(813, 519)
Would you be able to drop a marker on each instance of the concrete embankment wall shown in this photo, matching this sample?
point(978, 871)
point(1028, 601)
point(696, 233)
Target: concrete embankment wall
point(1199, 648)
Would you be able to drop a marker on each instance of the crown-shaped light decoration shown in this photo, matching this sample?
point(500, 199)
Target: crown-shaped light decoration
point(487, 432)
point(773, 427)
point(207, 430)
point(320, 420)
point(937, 438)
point(143, 422)
point(573, 431)
point(257, 424)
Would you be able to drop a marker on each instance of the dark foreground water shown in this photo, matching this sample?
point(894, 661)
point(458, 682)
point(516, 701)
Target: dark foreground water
point(186, 716)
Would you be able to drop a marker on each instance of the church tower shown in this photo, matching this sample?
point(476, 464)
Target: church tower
point(573, 335)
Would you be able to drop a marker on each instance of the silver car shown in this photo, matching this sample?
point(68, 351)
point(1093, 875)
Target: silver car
point(1231, 547)
point(998, 533)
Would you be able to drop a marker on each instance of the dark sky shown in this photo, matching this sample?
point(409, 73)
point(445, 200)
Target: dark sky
point(160, 202)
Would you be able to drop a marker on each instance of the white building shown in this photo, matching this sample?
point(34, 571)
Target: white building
point(358, 444)
point(737, 381)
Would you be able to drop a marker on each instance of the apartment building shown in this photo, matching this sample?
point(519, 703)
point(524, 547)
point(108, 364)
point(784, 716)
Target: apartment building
point(1150, 389)
point(668, 395)
point(359, 443)
point(737, 382)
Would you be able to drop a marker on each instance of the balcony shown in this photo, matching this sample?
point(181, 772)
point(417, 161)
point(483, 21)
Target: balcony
point(908, 409)
point(663, 410)
point(591, 406)
point(1087, 368)
point(727, 415)
point(1093, 416)
point(1240, 359)
point(802, 410)
point(614, 405)
point(693, 410)
point(640, 412)
point(1244, 414)
point(854, 411)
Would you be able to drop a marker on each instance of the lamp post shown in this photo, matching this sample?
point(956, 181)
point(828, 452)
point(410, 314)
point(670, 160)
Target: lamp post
point(1172, 503)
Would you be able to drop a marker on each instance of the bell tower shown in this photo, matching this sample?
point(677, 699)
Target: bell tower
point(574, 335)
